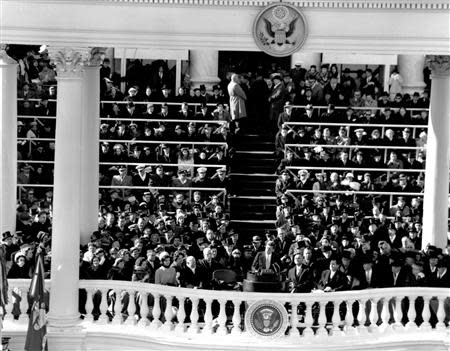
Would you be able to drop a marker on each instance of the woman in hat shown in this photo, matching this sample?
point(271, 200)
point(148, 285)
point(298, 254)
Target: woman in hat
point(19, 269)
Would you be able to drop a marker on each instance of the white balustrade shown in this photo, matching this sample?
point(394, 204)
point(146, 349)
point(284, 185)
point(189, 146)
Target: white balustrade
point(200, 312)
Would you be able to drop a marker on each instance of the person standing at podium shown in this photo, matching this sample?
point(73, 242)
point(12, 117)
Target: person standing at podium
point(267, 260)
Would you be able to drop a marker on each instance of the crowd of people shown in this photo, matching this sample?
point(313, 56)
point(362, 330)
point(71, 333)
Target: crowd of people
point(180, 238)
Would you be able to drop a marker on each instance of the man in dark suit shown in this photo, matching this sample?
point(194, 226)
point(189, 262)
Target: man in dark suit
point(267, 260)
point(371, 277)
point(332, 279)
point(207, 266)
point(190, 274)
point(300, 276)
point(277, 98)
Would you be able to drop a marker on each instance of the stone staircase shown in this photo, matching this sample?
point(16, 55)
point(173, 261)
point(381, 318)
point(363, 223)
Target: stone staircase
point(253, 178)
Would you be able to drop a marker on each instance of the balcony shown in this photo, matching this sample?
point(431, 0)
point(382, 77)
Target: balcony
point(133, 316)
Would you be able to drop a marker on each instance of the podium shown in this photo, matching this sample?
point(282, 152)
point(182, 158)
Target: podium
point(263, 283)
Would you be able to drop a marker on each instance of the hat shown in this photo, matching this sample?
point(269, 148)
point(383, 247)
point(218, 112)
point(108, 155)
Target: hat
point(326, 248)
point(347, 254)
point(256, 238)
point(346, 70)
point(6, 235)
point(359, 130)
point(309, 107)
point(41, 235)
point(407, 130)
point(202, 170)
point(276, 76)
point(165, 87)
point(220, 170)
point(182, 171)
point(132, 89)
point(349, 174)
point(287, 104)
point(216, 87)
point(20, 123)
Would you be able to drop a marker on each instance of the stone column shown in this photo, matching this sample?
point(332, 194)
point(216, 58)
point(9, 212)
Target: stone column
point(63, 315)
point(90, 124)
point(307, 59)
point(435, 208)
point(8, 146)
point(204, 67)
point(411, 69)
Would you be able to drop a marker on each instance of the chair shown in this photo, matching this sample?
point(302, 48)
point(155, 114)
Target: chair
point(224, 279)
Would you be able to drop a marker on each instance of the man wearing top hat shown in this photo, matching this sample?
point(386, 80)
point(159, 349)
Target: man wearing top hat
point(277, 97)
point(286, 115)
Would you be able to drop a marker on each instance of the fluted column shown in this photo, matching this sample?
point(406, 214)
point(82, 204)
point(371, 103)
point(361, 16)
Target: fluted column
point(307, 59)
point(435, 213)
point(204, 67)
point(411, 69)
point(8, 146)
point(90, 122)
point(63, 312)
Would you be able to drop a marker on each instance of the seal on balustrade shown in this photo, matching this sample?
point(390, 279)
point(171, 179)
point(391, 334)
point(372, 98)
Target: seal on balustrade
point(266, 318)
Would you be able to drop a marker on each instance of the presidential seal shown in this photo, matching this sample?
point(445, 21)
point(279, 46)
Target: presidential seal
point(280, 30)
point(266, 318)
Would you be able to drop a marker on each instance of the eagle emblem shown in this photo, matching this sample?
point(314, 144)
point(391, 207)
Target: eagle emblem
point(266, 318)
point(279, 30)
point(280, 25)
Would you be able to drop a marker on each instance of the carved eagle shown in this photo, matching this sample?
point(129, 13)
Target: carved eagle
point(280, 31)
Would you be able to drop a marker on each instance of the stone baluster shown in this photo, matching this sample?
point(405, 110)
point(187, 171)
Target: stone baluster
point(117, 319)
point(89, 305)
point(385, 315)
point(322, 330)
point(308, 331)
point(193, 329)
point(440, 314)
point(349, 319)
point(236, 318)
point(411, 313)
point(131, 320)
point(168, 314)
point(156, 312)
point(373, 315)
point(398, 314)
point(362, 317)
point(143, 322)
point(10, 306)
point(336, 319)
point(293, 332)
point(181, 315)
point(426, 314)
point(23, 317)
point(104, 307)
point(222, 318)
point(207, 329)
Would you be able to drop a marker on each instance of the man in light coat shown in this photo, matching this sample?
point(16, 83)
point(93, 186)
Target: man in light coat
point(237, 100)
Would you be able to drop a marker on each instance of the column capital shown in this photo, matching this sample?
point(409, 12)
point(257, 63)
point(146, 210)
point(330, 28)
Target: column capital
point(70, 61)
point(439, 65)
point(4, 58)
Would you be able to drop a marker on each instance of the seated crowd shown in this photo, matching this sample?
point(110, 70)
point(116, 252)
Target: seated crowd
point(181, 238)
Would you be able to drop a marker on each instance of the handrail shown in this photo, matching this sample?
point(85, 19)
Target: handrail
point(334, 146)
point(163, 142)
point(358, 169)
point(35, 117)
point(153, 164)
point(108, 302)
point(362, 108)
point(367, 125)
point(35, 99)
point(253, 296)
point(354, 192)
point(169, 120)
point(155, 103)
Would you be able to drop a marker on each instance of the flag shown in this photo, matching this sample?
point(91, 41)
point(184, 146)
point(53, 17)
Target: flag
point(4, 284)
point(37, 325)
